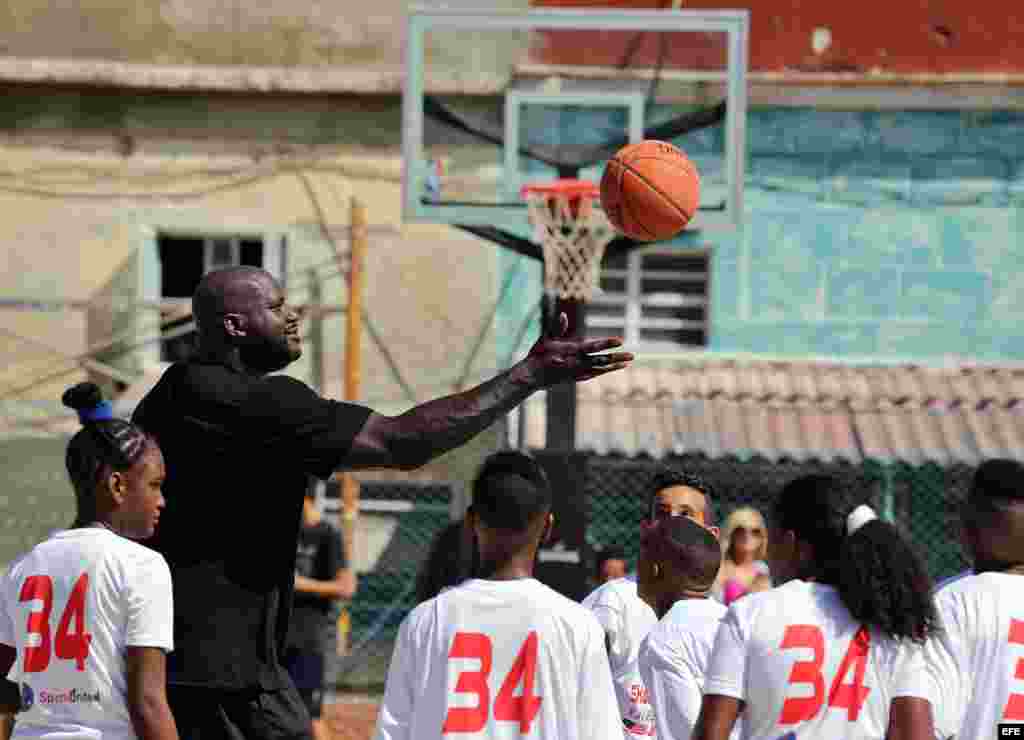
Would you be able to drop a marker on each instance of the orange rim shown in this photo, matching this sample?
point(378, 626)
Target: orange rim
point(566, 187)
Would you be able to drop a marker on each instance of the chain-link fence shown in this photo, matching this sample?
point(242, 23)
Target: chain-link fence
point(398, 522)
point(919, 499)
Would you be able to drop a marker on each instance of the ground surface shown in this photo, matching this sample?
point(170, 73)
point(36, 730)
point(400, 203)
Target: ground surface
point(351, 717)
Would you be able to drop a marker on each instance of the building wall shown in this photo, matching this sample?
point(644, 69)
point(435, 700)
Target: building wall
point(892, 234)
point(315, 33)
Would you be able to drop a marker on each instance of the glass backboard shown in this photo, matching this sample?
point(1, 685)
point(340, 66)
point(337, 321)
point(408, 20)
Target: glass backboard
point(495, 99)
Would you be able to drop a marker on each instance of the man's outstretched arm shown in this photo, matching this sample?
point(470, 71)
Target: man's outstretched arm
point(422, 433)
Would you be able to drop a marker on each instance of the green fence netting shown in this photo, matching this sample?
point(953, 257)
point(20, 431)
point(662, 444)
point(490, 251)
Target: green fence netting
point(921, 500)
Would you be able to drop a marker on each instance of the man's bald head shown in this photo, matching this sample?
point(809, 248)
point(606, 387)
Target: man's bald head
point(229, 290)
point(993, 515)
point(242, 313)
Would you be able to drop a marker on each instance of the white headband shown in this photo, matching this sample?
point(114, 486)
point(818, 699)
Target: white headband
point(859, 517)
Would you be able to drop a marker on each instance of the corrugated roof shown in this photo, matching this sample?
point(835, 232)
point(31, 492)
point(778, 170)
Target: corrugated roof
point(799, 411)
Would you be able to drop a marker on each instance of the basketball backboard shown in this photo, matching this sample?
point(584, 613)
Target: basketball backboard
point(497, 99)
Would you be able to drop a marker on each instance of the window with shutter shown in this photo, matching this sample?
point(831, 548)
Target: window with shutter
point(656, 299)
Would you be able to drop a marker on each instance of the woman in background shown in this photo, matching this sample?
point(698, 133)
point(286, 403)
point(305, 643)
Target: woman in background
point(744, 549)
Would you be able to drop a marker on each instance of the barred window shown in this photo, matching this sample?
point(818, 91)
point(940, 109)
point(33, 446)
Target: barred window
point(654, 298)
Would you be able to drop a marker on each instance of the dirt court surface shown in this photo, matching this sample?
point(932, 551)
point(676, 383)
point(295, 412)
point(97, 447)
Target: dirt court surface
point(351, 717)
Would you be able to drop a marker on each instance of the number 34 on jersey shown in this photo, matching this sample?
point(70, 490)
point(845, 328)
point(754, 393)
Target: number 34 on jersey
point(846, 691)
point(71, 641)
point(516, 700)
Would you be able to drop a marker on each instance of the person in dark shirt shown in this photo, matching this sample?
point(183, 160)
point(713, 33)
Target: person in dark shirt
point(322, 575)
point(239, 444)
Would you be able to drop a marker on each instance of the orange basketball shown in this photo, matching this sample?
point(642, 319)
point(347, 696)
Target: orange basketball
point(650, 190)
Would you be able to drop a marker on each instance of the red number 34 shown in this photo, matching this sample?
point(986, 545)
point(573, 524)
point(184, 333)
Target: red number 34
point(850, 697)
point(507, 706)
point(68, 645)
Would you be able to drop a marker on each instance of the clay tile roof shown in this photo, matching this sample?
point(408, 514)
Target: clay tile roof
point(800, 411)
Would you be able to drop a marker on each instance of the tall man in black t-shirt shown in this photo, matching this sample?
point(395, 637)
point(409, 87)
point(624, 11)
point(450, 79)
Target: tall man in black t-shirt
point(239, 444)
point(322, 575)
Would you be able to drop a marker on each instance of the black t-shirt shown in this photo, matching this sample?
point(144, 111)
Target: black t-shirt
point(239, 449)
point(320, 555)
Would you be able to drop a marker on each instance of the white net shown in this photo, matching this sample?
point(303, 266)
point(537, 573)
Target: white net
point(573, 234)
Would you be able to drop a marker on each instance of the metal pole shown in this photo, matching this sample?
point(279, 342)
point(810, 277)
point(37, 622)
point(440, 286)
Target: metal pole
point(316, 331)
point(353, 358)
point(352, 375)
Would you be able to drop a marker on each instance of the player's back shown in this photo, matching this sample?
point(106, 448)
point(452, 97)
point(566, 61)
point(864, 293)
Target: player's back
point(802, 664)
point(983, 631)
point(626, 620)
point(500, 659)
point(70, 606)
point(673, 662)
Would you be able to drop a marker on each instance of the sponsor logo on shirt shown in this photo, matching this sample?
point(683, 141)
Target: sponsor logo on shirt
point(70, 696)
point(28, 697)
point(639, 729)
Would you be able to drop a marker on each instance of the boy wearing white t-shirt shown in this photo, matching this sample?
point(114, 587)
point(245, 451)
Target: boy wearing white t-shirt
point(86, 616)
point(679, 561)
point(502, 655)
point(976, 665)
point(625, 618)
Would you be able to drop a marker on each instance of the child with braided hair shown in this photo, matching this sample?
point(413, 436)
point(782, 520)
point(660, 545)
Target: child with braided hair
point(86, 615)
point(837, 649)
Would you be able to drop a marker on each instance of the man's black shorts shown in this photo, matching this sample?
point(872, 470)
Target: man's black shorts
point(216, 714)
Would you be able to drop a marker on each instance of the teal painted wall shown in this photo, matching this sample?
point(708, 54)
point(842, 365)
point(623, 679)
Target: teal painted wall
point(867, 234)
point(877, 234)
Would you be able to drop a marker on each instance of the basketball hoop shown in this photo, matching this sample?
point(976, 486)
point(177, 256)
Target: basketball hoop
point(572, 233)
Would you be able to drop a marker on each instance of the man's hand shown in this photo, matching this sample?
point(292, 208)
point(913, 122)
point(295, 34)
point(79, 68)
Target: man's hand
point(557, 359)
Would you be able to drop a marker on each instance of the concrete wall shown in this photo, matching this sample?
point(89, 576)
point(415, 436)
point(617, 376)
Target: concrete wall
point(893, 234)
point(355, 33)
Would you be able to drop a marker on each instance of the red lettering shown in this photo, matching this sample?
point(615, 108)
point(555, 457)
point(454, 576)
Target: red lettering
point(1015, 703)
point(797, 709)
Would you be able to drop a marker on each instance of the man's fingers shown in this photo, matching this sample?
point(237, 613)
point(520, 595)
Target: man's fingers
point(600, 345)
point(615, 358)
point(563, 324)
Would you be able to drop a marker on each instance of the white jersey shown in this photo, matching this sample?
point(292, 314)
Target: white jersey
point(976, 665)
point(953, 579)
point(673, 661)
point(71, 607)
point(802, 665)
point(626, 620)
point(499, 659)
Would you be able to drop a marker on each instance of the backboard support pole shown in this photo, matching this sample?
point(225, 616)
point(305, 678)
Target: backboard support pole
point(560, 425)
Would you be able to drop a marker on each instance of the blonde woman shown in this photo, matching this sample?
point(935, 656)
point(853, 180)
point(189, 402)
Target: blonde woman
point(744, 549)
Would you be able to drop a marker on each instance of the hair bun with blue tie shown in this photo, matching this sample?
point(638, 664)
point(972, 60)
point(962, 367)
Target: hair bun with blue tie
point(87, 400)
